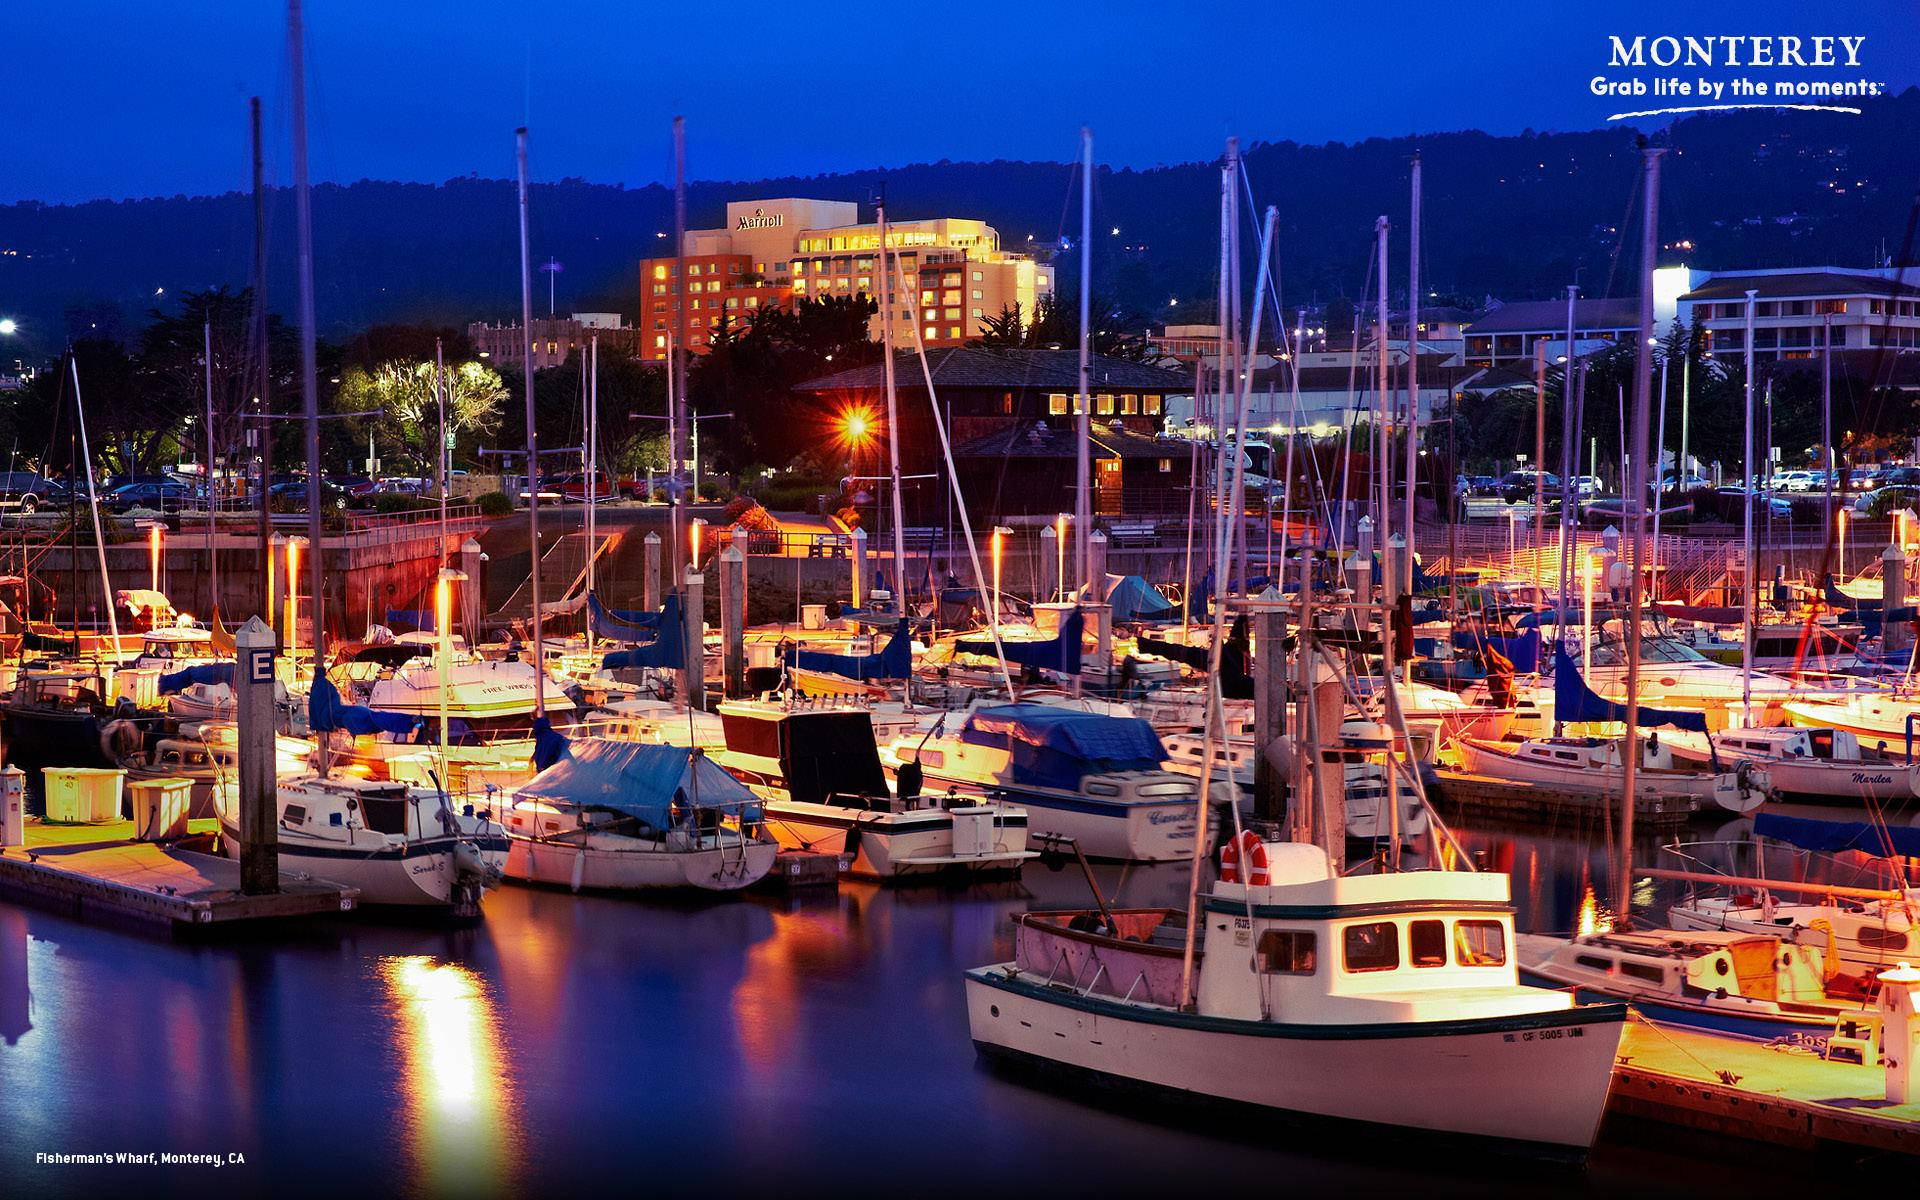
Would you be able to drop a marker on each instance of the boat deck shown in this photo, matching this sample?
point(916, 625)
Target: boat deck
point(100, 872)
point(1538, 803)
point(1750, 1089)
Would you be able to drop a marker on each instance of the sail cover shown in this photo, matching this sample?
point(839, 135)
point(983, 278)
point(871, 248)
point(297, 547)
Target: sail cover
point(663, 646)
point(661, 785)
point(213, 672)
point(1060, 653)
point(1573, 700)
point(326, 711)
point(627, 625)
point(1810, 833)
point(1057, 747)
point(893, 661)
point(1134, 599)
point(1522, 651)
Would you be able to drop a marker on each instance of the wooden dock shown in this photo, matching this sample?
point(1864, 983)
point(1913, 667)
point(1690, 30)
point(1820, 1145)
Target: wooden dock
point(1484, 795)
point(1755, 1091)
point(98, 872)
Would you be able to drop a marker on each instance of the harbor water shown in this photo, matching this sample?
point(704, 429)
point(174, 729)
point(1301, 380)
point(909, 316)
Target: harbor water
point(744, 1046)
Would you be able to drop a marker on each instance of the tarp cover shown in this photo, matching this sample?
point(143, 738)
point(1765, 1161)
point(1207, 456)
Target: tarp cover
point(213, 672)
point(625, 625)
point(326, 711)
point(893, 661)
point(664, 646)
point(1060, 653)
point(661, 785)
point(1134, 599)
point(1573, 700)
point(1810, 833)
point(1057, 747)
point(1522, 651)
point(420, 619)
point(549, 744)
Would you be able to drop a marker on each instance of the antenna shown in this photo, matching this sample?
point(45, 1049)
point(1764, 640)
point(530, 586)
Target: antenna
point(552, 268)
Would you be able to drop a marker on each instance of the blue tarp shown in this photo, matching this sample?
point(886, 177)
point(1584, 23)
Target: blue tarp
point(549, 745)
point(1523, 651)
point(622, 625)
point(894, 661)
point(1060, 653)
point(661, 785)
point(418, 619)
point(1134, 599)
point(326, 711)
point(1573, 700)
point(1810, 833)
point(1873, 621)
point(1057, 747)
point(216, 672)
point(1197, 602)
point(664, 645)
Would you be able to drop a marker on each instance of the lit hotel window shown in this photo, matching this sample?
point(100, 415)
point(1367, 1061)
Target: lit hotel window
point(1130, 404)
point(1103, 404)
point(661, 341)
point(932, 333)
point(976, 296)
point(953, 331)
point(1150, 405)
point(1057, 404)
point(800, 285)
point(660, 272)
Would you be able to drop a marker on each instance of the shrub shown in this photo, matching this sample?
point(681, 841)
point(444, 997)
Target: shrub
point(393, 502)
point(496, 504)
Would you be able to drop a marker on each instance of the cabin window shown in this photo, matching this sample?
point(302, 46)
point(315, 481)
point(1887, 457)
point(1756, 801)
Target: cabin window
point(1883, 939)
point(1645, 971)
point(933, 758)
point(1427, 943)
point(1373, 947)
point(1288, 952)
point(1594, 962)
point(1480, 944)
point(1102, 789)
point(295, 814)
point(384, 814)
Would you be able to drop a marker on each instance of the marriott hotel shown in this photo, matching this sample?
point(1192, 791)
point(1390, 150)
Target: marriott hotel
point(949, 273)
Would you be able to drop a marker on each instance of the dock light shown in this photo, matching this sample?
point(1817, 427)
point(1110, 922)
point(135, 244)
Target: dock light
point(443, 622)
point(1060, 550)
point(693, 535)
point(154, 539)
point(294, 544)
point(274, 545)
point(1842, 514)
point(1000, 535)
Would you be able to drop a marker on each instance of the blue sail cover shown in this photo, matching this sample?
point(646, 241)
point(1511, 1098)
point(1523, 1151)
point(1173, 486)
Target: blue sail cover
point(326, 711)
point(1134, 599)
point(418, 619)
point(1061, 653)
point(661, 785)
point(1573, 700)
point(894, 661)
point(1522, 651)
point(549, 744)
point(624, 625)
point(1057, 747)
point(216, 672)
point(664, 646)
point(1810, 833)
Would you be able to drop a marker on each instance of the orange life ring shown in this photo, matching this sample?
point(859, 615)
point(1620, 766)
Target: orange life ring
point(1247, 848)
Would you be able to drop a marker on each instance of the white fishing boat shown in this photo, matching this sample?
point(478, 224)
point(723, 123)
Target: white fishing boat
point(1803, 764)
point(1593, 766)
point(1386, 999)
point(1095, 778)
point(628, 816)
point(402, 846)
point(824, 790)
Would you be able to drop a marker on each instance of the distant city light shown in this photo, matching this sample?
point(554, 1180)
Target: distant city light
point(8, 327)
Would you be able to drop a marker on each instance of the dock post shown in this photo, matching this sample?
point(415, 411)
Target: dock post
point(1049, 589)
point(1097, 568)
point(472, 560)
point(1399, 567)
point(1330, 709)
point(259, 808)
point(862, 582)
point(733, 613)
point(1893, 564)
point(1269, 667)
point(650, 573)
point(693, 677)
point(1360, 566)
point(1899, 994)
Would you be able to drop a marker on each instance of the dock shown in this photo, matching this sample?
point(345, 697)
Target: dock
point(1484, 795)
point(1744, 1088)
point(98, 872)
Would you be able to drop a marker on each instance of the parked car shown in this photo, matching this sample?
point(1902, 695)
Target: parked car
point(293, 494)
point(401, 485)
point(1883, 500)
point(1728, 504)
point(1794, 481)
point(28, 491)
point(574, 488)
point(1586, 485)
point(1520, 485)
point(170, 496)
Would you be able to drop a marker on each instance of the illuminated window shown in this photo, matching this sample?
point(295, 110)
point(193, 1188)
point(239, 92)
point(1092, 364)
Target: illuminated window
point(1288, 952)
point(799, 285)
point(977, 277)
point(1150, 405)
point(1130, 404)
point(713, 285)
point(659, 289)
point(1103, 404)
point(864, 282)
point(840, 285)
point(926, 297)
point(953, 331)
point(975, 314)
point(1057, 404)
point(660, 342)
point(695, 303)
point(952, 297)
point(976, 295)
point(1374, 946)
point(953, 314)
point(930, 314)
point(931, 333)
point(733, 302)
point(660, 272)
point(1479, 944)
point(754, 302)
point(799, 266)
point(1166, 465)
point(1427, 943)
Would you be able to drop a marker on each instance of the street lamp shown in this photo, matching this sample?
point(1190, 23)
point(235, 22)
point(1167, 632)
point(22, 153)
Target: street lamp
point(294, 544)
point(154, 538)
point(443, 620)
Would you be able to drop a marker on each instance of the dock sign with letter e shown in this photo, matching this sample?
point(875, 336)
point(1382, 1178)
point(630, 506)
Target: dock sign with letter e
point(260, 666)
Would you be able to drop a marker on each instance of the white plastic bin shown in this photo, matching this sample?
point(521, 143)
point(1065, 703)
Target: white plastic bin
point(138, 684)
point(160, 808)
point(83, 795)
point(813, 616)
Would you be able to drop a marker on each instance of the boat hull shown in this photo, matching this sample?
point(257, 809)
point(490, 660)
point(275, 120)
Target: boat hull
point(1539, 1079)
point(643, 867)
point(891, 846)
point(421, 874)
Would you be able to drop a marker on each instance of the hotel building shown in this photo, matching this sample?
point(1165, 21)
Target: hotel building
point(1795, 308)
point(950, 273)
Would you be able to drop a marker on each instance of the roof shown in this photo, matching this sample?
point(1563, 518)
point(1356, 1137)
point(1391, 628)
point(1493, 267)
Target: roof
point(1547, 316)
point(985, 367)
point(1037, 439)
point(1800, 283)
point(1433, 377)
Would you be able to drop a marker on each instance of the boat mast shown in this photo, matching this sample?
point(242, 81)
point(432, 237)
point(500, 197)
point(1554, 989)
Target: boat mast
point(1382, 435)
point(893, 423)
point(263, 367)
point(533, 437)
point(593, 467)
point(1746, 533)
point(309, 370)
point(1568, 547)
point(1083, 405)
point(1413, 366)
point(440, 451)
point(213, 560)
point(1637, 506)
point(677, 386)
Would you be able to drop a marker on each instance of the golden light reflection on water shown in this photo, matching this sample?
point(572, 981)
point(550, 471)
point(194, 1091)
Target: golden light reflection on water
point(458, 1098)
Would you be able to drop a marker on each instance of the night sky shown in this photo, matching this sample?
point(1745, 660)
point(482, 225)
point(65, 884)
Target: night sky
point(135, 99)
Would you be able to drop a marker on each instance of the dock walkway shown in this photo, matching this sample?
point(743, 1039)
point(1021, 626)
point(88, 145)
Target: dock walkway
point(1749, 1089)
point(98, 871)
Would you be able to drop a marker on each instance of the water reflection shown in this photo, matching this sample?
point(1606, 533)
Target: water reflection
point(457, 1095)
point(16, 992)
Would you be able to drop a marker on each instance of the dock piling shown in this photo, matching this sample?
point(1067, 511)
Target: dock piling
point(253, 688)
point(733, 613)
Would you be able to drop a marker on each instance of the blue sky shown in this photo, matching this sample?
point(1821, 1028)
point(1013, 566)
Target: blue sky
point(145, 98)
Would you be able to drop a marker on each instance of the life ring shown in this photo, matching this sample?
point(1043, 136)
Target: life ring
point(1248, 848)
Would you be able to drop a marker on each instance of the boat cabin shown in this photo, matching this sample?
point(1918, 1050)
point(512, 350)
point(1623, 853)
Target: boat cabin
point(1700, 965)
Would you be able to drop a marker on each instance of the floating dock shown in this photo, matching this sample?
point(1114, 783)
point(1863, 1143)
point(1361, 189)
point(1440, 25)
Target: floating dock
point(98, 872)
point(1484, 795)
point(1745, 1088)
point(794, 869)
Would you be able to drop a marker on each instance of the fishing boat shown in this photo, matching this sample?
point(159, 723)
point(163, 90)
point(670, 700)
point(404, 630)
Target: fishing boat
point(1095, 778)
point(1755, 984)
point(627, 816)
point(399, 845)
point(1386, 999)
point(819, 774)
point(1818, 765)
